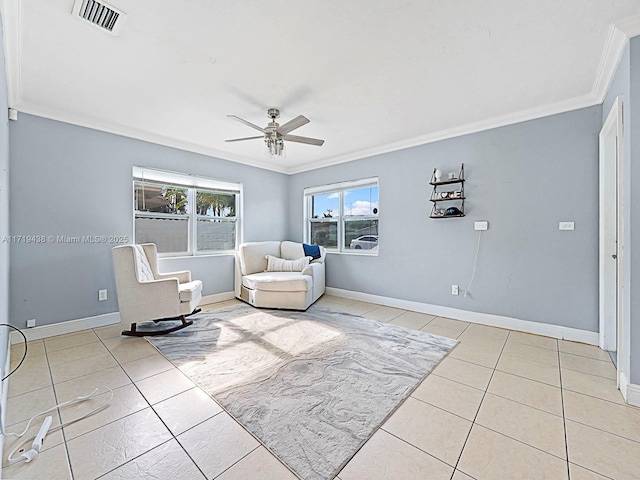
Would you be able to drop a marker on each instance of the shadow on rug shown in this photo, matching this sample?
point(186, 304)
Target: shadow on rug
point(311, 386)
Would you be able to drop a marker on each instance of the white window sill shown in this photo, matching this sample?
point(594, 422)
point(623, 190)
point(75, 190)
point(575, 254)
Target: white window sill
point(335, 252)
point(200, 255)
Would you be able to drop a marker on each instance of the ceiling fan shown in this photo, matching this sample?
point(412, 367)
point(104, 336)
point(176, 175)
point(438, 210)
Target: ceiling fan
point(275, 134)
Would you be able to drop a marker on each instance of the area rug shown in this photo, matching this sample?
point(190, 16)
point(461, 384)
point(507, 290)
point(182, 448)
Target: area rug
point(311, 386)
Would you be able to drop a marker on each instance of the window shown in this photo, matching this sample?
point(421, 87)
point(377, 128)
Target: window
point(343, 217)
point(185, 215)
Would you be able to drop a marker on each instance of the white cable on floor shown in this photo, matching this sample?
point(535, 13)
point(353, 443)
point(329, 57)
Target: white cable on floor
point(28, 456)
point(475, 263)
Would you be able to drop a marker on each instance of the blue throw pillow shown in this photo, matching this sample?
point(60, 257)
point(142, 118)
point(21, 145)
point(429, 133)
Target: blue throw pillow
point(311, 251)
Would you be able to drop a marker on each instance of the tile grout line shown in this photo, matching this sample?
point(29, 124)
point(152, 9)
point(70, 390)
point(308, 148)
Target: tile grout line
point(173, 437)
point(55, 397)
point(602, 430)
point(483, 426)
point(411, 445)
point(223, 410)
point(502, 396)
point(494, 369)
point(607, 361)
point(473, 422)
point(239, 460)
point(564, 417)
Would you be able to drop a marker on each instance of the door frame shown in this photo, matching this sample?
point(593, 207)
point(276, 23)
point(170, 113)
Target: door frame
point(610, 178)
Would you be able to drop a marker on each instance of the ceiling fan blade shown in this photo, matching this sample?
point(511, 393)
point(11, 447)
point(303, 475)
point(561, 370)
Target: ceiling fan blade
point(292, 124)
point(249, 124)
point(307, 140)
point(242, 139)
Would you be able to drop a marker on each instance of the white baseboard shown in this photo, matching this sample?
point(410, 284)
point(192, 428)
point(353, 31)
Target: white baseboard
point(70, 326)
point(217, 297)
point(630, 391)
point(554, 331)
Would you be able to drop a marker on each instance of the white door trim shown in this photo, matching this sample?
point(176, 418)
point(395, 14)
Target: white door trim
point(610, 230)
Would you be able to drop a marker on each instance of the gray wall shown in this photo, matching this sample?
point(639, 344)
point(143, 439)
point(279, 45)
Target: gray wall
point(523, 179)
point(4, 208)
point(68, 180)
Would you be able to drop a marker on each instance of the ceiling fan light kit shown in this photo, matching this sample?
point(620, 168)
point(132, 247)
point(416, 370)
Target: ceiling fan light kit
point(274, 134)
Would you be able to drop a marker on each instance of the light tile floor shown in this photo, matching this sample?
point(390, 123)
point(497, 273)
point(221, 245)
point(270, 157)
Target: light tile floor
point(502, 405)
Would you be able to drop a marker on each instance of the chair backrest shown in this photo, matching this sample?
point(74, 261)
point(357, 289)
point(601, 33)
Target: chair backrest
point(295, 250)
point(139, 301)
point(252, 256)
point(144, 273)
point(135, 263)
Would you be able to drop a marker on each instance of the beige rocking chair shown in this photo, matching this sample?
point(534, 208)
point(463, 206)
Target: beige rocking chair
point(146, 295)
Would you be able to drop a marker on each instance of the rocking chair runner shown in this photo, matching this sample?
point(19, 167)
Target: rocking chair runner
point(146, 295)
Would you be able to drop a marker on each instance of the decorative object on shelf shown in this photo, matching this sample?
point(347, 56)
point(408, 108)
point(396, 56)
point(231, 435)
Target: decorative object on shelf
point(453, 211)
point(453, 191)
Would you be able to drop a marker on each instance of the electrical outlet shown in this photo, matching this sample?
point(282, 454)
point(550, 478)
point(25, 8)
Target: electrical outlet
point(31, 323)
point(102, 295)
point(480, 225)
point(454, 290)
point(566, 226)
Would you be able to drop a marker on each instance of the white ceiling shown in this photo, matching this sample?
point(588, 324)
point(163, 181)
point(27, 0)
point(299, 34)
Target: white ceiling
point(371, 75)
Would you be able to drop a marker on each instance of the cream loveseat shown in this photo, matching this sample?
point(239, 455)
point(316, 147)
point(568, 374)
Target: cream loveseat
point(294, 290)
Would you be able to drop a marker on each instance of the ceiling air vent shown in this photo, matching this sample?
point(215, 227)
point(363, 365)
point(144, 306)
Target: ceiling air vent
point(100, 14)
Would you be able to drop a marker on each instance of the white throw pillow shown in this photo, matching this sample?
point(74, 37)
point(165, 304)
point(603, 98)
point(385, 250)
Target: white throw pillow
point(275, 264)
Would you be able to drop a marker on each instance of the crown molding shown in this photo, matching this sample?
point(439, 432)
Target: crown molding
point(631, 26)
point(482, 125)
point(609, 61)
point(138, 134)
point(619, 35)
point(617, 39)
point(488, 124)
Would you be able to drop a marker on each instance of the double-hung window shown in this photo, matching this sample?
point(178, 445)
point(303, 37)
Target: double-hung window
point(343, 217)
point(183, 214)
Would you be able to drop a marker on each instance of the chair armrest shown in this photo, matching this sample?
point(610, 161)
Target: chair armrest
point(316, 270)
point(313, 269)
point(144, 301)
point(182, 276)
point(168, 287)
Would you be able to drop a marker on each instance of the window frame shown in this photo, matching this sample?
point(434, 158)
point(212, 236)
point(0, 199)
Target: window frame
point(192, 184)
point(340, 188)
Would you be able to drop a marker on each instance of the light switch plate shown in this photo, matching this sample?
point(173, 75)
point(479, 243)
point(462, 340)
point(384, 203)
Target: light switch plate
point(566, 226)
point(481, 225)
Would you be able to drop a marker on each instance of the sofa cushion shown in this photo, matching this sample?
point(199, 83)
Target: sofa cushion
point(275, 264)
point(278, 282)
point(291, 250)
point(189, 290)
point(312, 251)
point(253, 256)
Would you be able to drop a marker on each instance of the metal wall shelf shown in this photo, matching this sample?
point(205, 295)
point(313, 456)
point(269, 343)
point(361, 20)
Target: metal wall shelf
point(436, 195)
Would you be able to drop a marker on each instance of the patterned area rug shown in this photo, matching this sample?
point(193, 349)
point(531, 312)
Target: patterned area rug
point(311, 386)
